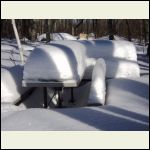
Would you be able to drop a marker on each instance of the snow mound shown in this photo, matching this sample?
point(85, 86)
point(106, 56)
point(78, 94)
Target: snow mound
point(98, 87)
point(117, 38)
point(27, 47)
point(77, 49)
point(54, 63)
point(57, 36)
point(106, 49)
point(122, 69)
point(90, 63)
point(110, 49)
point(119, 53)
point(115, 68)
point(11, 84)
point(10, 55)
point(7, 47)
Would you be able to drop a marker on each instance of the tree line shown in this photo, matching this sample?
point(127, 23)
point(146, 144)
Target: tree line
point(31, 28)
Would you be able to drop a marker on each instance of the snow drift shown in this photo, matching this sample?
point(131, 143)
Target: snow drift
point(129, 94)
point(57, 36)
point(11, 84)
point(98, 88)
point(54, 63)
point(106, 118)
point(115, 68)
point(122, 69)
point(10, 56)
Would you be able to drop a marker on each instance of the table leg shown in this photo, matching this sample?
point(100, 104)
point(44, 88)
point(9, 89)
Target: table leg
point(72, 96)
point(60, 97)
point(45, 96)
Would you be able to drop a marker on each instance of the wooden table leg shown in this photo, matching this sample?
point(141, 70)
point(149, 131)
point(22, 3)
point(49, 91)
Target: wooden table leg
point(45, 96)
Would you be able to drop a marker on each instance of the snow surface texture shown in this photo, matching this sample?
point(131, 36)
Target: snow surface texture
point(10, 55)
point(98, 88)
point(11, 84)
point(54, 63)
point(106, 118)
point(57, 36)
point(129, 94)
point(8, 109)
point(122, 69)
point(127, 109)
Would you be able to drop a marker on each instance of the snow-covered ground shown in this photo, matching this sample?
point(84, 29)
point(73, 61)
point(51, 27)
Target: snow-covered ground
point(57, 36)
point(127, 100)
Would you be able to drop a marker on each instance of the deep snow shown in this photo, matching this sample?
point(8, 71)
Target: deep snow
point(127, 102)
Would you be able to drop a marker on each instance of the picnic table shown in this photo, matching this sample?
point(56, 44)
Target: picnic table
point(58, 88)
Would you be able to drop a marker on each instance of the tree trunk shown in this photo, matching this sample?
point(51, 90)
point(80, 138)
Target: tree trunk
point(87, 24)
point(129, 30)
point(47, 30)
point(144, 30)
point(110, 29)
point(148, 50)
point(18, 41)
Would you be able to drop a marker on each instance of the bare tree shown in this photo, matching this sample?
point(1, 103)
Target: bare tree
point(129, 30)
point(110, 29)
point(49, 28)
point(29, 28)
point(18, 41)
point(76, 23)
point(144, 30)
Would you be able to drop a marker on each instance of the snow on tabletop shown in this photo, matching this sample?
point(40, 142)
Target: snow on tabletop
point(78, 50)
point(53, 63)
point(110, 49)
point(104, 48)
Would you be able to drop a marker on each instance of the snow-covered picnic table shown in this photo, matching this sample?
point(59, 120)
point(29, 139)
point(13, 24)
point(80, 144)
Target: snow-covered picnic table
point(126, 106)
point(55, 67)
point(58, 87)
